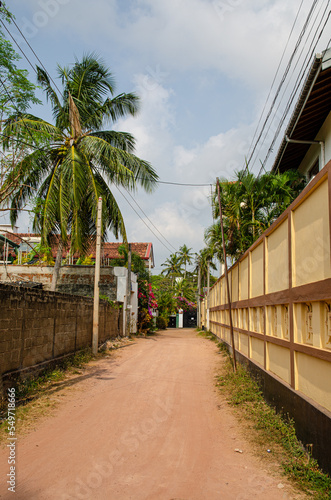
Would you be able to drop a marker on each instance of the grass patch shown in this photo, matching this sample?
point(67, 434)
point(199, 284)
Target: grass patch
point(207, 335)
point(270, 430)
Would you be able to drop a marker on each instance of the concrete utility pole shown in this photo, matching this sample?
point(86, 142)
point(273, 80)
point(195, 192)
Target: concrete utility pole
point(128, 295)
point(208, 295)
point(199, 297)
point(95, 336)
point(226, 277)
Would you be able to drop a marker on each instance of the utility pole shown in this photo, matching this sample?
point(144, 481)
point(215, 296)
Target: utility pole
point(208, 294)
point(128, 295)
point(226, 276)
point(199, 296)
point(95, 336)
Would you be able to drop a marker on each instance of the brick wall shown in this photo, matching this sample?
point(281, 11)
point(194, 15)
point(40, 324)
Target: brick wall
point(38, 326)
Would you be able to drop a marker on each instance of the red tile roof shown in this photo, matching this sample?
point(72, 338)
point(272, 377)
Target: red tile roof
point(17, 238)
point(108, 250)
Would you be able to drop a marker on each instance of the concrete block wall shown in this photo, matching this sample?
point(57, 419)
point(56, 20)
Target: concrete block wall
point(76, 280)
point(38, 326)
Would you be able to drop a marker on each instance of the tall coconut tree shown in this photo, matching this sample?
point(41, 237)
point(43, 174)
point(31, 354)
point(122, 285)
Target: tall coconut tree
point(203, 262)
point(172, 267)
point(75, 160)
point(186, 257)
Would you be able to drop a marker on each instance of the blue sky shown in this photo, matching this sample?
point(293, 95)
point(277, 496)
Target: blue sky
point(203, 70)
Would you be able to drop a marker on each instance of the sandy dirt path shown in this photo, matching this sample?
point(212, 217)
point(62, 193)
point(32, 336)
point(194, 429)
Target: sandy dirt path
point(145, 424)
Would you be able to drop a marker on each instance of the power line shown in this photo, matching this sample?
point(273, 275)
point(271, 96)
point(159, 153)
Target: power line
point(142, 219)
point(149, 219)
point(298, 84)
point(284, 91)
point(37, 148)
point(40, 62)
point(31, 48)
point(276, 74)
point(283, 79)
point(183, 184)
point(299, 79)
point(16, 108)
point(17, 44)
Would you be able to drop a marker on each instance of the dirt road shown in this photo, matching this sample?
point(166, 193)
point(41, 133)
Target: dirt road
point(145, 424)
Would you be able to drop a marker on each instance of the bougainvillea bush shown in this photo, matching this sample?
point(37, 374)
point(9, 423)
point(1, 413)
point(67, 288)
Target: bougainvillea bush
point(186, 305)
point(146, 303)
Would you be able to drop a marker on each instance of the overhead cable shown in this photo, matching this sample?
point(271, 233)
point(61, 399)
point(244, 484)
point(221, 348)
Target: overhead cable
point(298, 85)
point(156, 236)
point(276, 74)
point(149, 219)
point(283, 79)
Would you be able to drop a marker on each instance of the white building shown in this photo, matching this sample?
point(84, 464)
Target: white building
point(306, 145)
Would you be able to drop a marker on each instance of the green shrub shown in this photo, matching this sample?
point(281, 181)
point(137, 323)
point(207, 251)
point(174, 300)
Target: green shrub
point(161, 323)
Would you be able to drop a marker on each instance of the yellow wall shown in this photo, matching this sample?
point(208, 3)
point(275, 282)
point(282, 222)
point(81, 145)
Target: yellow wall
point(243, 282)
point(313, 378)
point(224, 291)
point(235, 284)
point(277, 259)
point(311, 238)
point(257, 271)
point(278, 361)
point(310, 226)
point(257, 350)
point(243, 343)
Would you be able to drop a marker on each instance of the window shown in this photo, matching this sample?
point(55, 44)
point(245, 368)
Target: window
point(314, 170)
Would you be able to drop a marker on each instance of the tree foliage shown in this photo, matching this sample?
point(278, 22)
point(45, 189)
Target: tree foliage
point(185, 256)
point(76, 161)
point(203, 260)
point(250, 205)
point(176, 287)
point(17, 93)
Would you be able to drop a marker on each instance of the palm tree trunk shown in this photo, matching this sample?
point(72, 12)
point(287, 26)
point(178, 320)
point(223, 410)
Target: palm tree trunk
point(57, 266)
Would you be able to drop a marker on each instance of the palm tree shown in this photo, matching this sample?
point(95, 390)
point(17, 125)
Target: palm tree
point(76, 161)
point(185, 256)
point(204, 260)
point(250, 205)
point(213, 240)
point(172, 267)
point(184, 288)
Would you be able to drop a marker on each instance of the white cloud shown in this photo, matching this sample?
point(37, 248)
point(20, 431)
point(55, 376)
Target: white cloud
point(180, 213)
point(242, 39)
point(186, 129)
point(221, 156)
point(175, 223)
point(152, 128)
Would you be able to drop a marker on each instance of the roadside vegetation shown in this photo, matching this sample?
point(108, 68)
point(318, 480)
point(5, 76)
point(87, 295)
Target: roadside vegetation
point(250, 204)
point(270, 432)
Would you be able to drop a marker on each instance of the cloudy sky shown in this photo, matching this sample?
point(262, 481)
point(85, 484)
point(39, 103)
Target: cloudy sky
point(203, 70)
